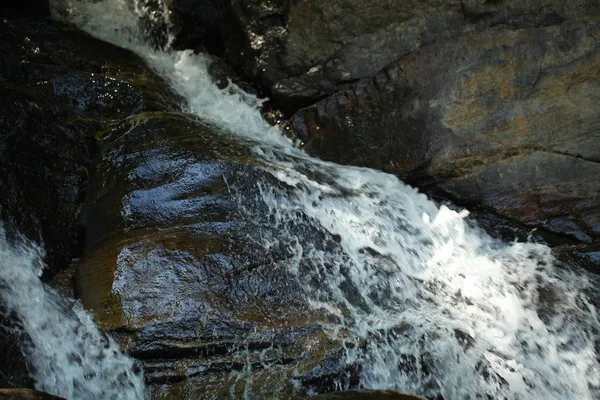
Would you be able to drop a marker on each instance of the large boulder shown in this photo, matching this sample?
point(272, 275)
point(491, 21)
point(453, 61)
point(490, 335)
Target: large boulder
point(506, 119)
point(171, 268)
point(352, 39)
point(337, 40)
point(59, 87)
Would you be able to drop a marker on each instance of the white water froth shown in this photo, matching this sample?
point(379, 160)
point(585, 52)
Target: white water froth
point(426, 303)
point(117, 22)
point(68, 355)
point(432, 305)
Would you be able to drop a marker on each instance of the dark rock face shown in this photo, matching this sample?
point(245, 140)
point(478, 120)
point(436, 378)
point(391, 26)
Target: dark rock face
point(353, 39)
point(294, 93)
point(25, 8)
point(272, 40)
point(26, 394)
point(506, 119)
point(59, 88)
point(14, 372)
point(170, 266)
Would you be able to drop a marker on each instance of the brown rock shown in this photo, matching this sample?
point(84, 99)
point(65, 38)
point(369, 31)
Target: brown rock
point(170, 267)
point(272, 40)
point(507, 119)
point(59, 87)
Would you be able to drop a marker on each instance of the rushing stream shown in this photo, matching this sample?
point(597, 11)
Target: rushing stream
point(427, 303)
point(69, 356)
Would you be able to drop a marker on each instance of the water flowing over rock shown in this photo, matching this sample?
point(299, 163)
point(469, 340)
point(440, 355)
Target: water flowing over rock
point(59, 88)
point(170, 266)
point(505, 119)
point(66, 354)
point(231, 264)
point(365, 395)
point(14, 372)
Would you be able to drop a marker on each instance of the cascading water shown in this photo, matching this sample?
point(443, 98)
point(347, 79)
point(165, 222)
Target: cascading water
point(425, 302)
point(68, 355)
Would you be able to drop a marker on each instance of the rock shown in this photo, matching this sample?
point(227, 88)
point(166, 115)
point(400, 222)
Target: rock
point(505, 119)
point(353, 39)
point(26, 394)
point(171, 268)
point(271, 40)
point(586, 256)
point(14, 372)
point(59, 88)
point(366, 395)
point(298, 92)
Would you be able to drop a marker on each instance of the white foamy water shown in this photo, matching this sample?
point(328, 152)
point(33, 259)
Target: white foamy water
point(68, 355)
point(429, 304)
point(426, 303)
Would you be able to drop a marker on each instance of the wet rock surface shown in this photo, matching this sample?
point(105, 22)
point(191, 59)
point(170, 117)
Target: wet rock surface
point(503, 121)
point(294, 93)
point(170, 267)
point(506, 120)
point(59, 88)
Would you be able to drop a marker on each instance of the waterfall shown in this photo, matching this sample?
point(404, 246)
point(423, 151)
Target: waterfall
point(425, 302)
point(68, 355)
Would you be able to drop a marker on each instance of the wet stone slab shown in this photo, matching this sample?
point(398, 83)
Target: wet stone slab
point(171, 267)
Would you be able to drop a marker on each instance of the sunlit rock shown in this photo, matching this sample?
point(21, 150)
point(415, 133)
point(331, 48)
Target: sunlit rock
point(171, 266)
point(505, 119)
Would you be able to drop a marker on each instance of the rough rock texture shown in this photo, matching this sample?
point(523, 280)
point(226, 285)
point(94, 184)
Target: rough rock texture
point(294, 93)
point(344, 40)
point(507, 119)
point(59, 87)
point(354, 38)
point(171, 268)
